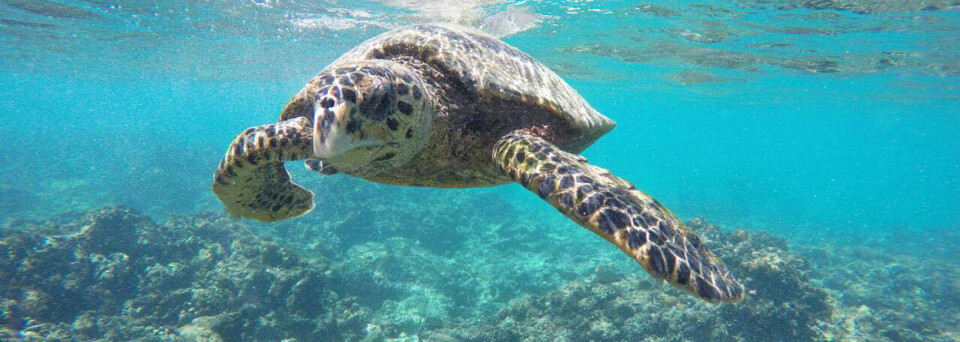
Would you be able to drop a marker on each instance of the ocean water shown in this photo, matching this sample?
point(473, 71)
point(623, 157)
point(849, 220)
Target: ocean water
point(818, 143)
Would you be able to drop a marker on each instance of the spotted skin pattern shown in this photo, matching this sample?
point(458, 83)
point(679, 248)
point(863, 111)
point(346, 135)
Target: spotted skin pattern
point(612, 208)
point(383, 100)
point(251, 180)
point(477, 88)
point(439, 99)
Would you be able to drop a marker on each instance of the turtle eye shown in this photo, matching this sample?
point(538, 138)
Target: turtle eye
point(379, 101)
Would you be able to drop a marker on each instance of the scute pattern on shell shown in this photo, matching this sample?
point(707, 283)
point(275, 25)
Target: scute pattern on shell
point(486, 67)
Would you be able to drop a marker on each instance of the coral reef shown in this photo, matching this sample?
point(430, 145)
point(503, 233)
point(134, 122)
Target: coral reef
point(908, 293)
point(405, 272)
point(607, 305)
point(115, 275)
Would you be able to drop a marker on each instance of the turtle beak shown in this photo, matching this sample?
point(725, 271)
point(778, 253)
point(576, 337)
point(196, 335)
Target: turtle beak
point(332, 142)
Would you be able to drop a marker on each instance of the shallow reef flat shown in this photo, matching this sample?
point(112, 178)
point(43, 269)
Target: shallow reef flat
point(114, 275)
point(788, 300)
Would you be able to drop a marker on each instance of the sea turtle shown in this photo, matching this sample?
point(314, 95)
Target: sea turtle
point(448, 106)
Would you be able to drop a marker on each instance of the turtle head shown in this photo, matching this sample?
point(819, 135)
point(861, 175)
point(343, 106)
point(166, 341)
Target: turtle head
point(370, 117)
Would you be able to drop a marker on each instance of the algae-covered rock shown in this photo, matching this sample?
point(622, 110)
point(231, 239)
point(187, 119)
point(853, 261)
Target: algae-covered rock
point(115, 275)
point(201, 329)
point(901, 285)
point(782, 305)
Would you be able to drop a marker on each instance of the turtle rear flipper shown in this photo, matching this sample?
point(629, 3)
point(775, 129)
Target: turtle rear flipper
point(251, 180)
point(612, 208)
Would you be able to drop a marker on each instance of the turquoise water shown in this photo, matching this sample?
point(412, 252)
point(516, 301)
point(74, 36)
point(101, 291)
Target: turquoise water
point(832, 123)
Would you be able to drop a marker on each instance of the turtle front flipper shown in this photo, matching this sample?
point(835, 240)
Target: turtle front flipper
point(612, 208)
point(251, 180)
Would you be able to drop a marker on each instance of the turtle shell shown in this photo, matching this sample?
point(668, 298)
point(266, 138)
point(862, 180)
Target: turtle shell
point(483, 66)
